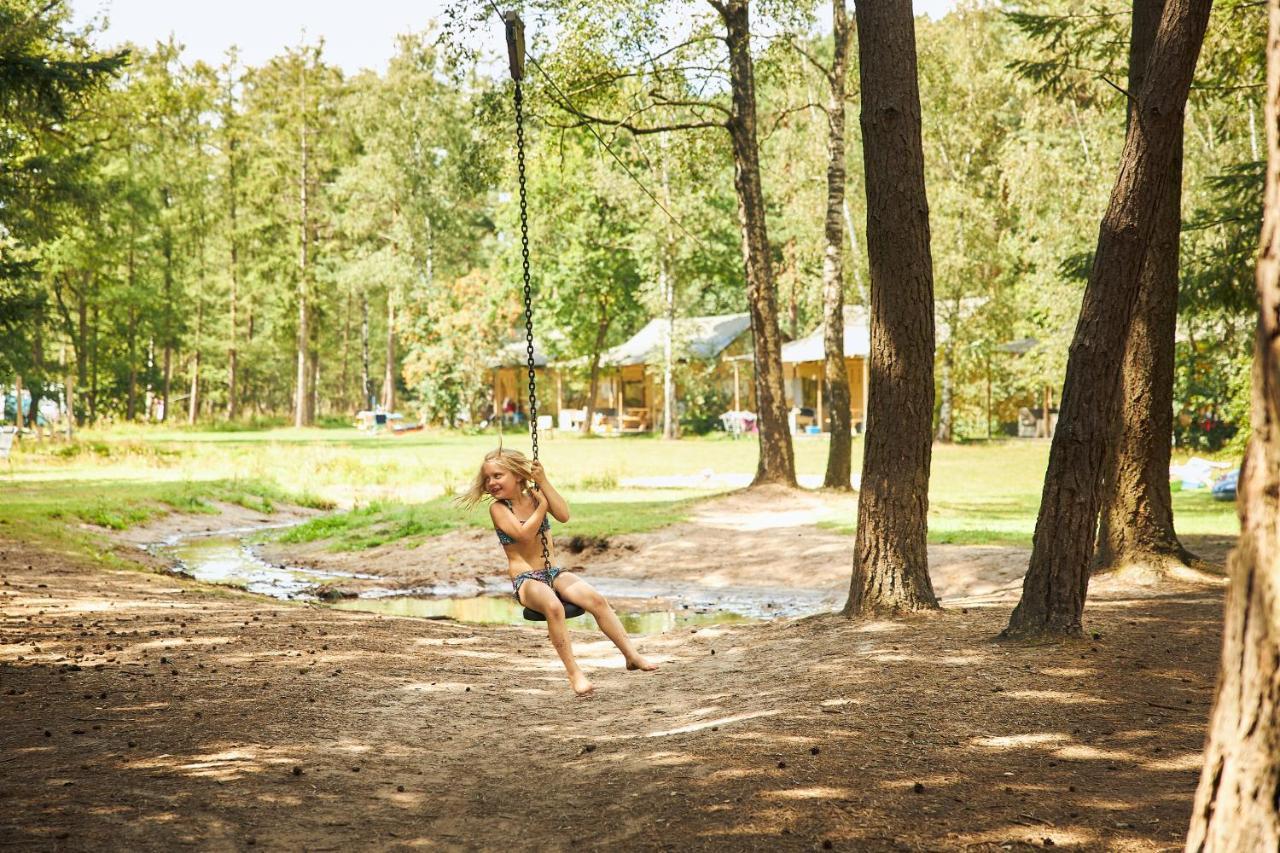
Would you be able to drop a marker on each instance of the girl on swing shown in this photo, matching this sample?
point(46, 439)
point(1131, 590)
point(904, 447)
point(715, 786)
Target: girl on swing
point(522, 498)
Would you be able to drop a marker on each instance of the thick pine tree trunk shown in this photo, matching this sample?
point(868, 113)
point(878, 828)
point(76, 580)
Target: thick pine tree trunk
point(1057, 580)
point(890, 564)
point(1238, 802)
point(777, 456)
point(1136, 526)
point(835, 373)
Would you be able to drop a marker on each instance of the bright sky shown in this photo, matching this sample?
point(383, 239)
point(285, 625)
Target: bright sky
point(356, 35)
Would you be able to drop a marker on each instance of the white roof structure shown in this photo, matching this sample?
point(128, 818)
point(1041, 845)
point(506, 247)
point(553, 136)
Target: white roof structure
point(700, 337)
point(516, 354)
point(857, 340)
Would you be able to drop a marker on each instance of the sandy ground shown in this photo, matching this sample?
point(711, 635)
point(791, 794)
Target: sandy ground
point(140, 711)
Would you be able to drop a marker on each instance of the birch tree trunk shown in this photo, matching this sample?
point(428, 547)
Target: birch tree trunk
point(835, 372)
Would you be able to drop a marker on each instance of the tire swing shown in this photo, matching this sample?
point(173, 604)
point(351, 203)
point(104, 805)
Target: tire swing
point(515, 51)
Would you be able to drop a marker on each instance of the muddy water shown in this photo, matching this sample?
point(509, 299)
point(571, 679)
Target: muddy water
point(645, 607)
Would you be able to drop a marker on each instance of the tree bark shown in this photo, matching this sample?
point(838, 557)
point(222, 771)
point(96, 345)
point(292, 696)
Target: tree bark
point(667, 284)
point(777, 456)
point(389, 373)
point(602, 331)
point(302, 399)
point(1136, 526)
point(131, 401)
point(890, 565)
point(18, 418)
point(1057, 580)
point(1237, 804)
point(366, 382)
point(232, 390)
point(946, 409)
point(835, 372)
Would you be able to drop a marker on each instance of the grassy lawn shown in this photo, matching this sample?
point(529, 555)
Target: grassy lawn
point(595, 514)
point(399, 488)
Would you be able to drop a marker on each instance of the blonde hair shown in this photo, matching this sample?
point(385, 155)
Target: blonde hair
point(513, 461)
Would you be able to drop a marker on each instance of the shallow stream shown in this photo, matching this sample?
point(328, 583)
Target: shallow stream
point(645, 607)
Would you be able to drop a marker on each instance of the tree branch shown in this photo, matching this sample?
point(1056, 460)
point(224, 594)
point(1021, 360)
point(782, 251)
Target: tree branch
point(663, 100)
point(826, 72)
point(780, 117)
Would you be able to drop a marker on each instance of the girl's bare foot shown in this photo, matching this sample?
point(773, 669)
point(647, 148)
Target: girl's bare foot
point(580, 684)
point(640, 663)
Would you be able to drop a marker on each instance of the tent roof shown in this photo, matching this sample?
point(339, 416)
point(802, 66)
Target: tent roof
point(857, 340)
point(515, 354)
point(700, 337)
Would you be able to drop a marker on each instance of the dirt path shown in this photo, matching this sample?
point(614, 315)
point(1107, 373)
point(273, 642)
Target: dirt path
point(142, 712)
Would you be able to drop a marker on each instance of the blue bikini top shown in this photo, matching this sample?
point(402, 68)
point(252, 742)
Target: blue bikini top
point(507, 540)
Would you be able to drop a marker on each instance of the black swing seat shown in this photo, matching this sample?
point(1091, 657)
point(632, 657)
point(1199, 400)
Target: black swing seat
point(570, 611)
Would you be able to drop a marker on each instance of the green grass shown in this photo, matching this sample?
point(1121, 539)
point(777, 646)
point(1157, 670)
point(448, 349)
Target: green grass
point(72, 514)
point(593, 515)
point(397, 487)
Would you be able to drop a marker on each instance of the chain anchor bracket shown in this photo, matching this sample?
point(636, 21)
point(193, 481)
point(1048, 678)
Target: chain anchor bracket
point(515, 44)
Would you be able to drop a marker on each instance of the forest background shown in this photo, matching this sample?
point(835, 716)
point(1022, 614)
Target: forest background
point(199, 243)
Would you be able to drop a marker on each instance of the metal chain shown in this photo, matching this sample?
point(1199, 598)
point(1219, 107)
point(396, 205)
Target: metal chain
point(528, 296)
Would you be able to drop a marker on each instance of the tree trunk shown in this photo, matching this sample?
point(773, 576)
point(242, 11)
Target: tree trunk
point(345, 379)
point(313, 396)
point(167, 383)
point(131, 403)
point(389, 372)
point(18, 418)
point(366, 381)
point(1057, 580)
point(670, 421)
point(1237, 804)
point(301, 398)
point(890, 564)
point(193, 399)
point(835, 372)
point(37, 382)
point(1136, 527)
point(232, 390)
point(602, 331)
point(946, 409)
point(777, 457)
point(93, 371)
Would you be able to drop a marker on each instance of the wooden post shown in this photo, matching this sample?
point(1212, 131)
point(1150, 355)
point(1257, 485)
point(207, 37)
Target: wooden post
point(559, 393)
point(617, 398)
point(820, 420)
point(737, 400)
point(1047, 401)
point(497, 411)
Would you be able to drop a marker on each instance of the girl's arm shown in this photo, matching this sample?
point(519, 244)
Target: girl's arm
point(505, 520)
point(556, 504)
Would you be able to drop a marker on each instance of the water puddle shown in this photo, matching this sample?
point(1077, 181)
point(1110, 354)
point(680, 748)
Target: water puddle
point(645, 607)
point(229, 561)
